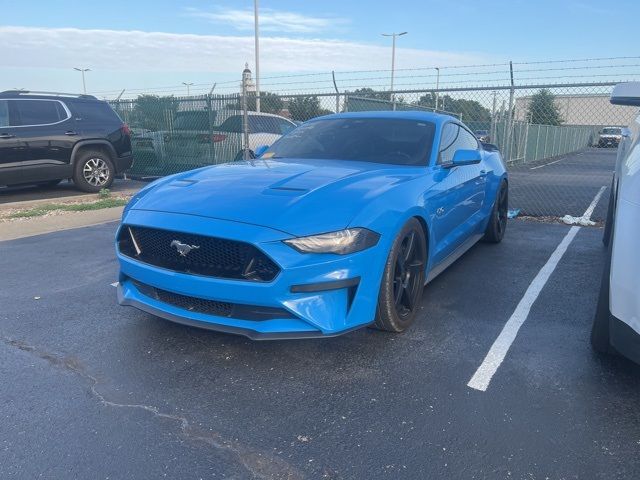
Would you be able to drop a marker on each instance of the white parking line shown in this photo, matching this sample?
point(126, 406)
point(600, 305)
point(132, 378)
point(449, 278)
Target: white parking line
point(114, 284)
point(589, 211)
point(498, 351)
point(550, 163)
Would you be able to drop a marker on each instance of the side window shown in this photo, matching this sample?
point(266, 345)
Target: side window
point(450, 134)
point(468, 140)
point(232, 124)
point(37, 112)
point(263, 124)
point(285, 127)
point(4, 113)
point(455, 138)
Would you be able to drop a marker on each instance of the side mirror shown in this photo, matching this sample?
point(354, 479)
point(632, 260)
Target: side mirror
point(626, 94)
point(260, 150)
point(466, 157)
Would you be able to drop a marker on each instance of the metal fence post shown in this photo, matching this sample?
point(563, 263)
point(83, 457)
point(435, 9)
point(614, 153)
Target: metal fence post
point(493, 131)
point(509, 148)
point(245, 121)
point(335, 86)
point(210, 128)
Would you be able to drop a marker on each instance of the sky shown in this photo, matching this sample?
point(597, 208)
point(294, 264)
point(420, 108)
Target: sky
point(155, 45)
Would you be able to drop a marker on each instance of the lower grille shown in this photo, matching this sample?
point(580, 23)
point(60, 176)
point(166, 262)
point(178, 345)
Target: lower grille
point(239, 311)
point(196, 254)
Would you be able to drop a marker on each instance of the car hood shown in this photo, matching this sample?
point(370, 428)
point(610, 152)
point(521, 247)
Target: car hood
point(296, 197)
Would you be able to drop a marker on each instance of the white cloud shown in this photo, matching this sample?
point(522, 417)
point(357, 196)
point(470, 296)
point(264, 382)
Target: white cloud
point(270, 20)
point(29, 47)
point(43, 57)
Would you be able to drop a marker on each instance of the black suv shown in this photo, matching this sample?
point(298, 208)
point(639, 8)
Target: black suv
point(47, 137)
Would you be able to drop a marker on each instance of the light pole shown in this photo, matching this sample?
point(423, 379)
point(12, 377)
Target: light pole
point(188, 85)
point(257, 40)
point(393, 61)
point(82, 70)
point(437, 86)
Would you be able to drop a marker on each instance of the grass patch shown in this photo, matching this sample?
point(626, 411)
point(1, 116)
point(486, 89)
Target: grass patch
point(71, 207)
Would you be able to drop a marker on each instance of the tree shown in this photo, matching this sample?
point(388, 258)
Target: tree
point(543, 109)
point(154, 112)
point(305, 108)
point(269, 103)
point(469, 111)
point(367, 92)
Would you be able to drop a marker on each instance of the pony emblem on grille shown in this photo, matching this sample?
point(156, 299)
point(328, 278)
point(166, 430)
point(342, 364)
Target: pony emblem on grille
point(183, 248)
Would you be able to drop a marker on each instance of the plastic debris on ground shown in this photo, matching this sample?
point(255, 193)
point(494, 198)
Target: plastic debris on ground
point(585, 222)
point(513, 213)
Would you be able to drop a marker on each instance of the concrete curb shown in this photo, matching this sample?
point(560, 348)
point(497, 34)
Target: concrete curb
point(29, 227)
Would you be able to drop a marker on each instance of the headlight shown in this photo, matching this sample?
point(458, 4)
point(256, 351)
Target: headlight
point(342, 242)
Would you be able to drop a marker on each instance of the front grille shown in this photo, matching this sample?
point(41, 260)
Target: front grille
point(209, 256)
point(213, 307)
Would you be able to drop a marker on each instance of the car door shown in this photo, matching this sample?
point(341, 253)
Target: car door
point(12, 152)
point(459, 193)
point(46, 131)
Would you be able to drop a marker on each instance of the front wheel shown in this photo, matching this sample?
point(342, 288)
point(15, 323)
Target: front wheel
point(403, 279)
point(93, 171)
point(498, 221)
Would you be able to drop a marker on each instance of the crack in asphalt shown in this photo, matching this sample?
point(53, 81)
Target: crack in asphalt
point(259, 465)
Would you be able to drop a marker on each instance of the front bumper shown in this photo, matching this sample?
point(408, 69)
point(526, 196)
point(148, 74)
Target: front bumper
point(323, 294)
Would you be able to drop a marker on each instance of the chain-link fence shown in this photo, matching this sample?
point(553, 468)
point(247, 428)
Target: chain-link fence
point(557, 139)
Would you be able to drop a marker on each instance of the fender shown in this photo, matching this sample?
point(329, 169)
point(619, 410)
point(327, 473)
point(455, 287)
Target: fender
point(85, 143)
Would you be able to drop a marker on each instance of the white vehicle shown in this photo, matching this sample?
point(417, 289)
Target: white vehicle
point(609, 137)
point(264, 129)
point(616, 326)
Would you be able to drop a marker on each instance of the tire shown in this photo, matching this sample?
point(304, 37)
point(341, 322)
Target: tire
point(497, 225)
point(93, 171)
point(600, 328)
point(403, 279)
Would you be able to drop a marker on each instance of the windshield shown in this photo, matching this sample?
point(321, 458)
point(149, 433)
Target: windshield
point(612, 131)
point(379, 140)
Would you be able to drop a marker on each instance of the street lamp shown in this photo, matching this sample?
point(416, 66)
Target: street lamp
point(437, 86)
point(82, 70)
point(393, 61)
point(187, 84)
point(257, 42)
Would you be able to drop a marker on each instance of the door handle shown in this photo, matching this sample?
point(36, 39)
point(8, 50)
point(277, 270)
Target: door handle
point(71, 133)
point(6, 135)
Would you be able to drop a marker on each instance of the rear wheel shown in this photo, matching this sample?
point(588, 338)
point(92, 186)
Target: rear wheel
point(93, 171)
point(600, 328)
point(403, 279)
point(498, 221)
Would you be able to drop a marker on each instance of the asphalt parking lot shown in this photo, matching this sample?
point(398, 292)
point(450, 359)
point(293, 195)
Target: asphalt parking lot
point(564, 185)
point(95, 390)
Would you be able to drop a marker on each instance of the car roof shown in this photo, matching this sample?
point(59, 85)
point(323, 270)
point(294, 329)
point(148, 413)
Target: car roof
point(405, 114)
point(29, 94)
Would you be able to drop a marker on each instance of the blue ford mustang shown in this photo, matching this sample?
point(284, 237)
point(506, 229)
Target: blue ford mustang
point(337, 225)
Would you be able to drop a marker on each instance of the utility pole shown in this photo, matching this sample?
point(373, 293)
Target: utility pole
point(188, 85)
point(393, 61)
point(84, 84)
point(257, 46)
